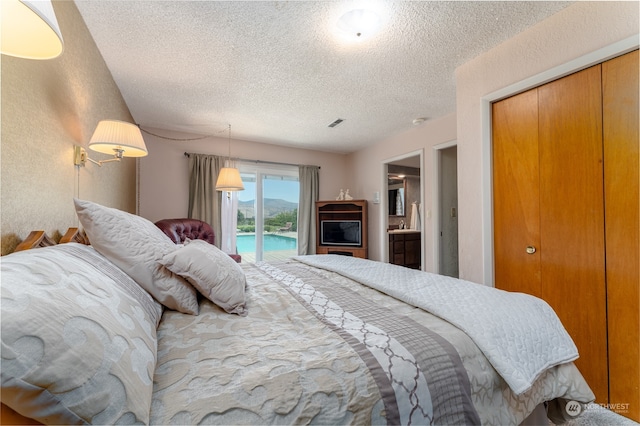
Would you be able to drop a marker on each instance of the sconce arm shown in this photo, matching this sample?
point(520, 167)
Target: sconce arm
point(99, 163)
point(80, 157)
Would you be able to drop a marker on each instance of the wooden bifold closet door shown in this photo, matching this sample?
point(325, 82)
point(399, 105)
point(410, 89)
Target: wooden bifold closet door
point(622, 219)
point(565, 194)
point(559, 210)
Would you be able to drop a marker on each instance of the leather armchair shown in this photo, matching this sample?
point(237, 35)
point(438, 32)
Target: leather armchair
point(194, 229)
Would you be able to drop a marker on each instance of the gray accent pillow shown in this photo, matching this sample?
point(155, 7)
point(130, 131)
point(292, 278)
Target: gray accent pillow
point(136, 245)
point(216, 275)
point(78, 338)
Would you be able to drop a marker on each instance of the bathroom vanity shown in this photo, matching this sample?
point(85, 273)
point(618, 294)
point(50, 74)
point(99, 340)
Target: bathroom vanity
point(404, 247)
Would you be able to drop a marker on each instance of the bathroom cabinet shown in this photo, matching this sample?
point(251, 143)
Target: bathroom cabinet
point(404, 248)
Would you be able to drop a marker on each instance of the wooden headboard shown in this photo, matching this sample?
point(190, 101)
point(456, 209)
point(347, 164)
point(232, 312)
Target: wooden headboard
point(9, 417)
point(41, 239)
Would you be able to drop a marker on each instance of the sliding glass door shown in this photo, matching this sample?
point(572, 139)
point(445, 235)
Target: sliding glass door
point(268, 212)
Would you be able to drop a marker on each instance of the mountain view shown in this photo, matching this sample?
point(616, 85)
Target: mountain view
point(271, 207)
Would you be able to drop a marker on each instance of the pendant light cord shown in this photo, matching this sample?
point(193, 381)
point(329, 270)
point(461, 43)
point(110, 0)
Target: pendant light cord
point(178, 139)
point(229, 156)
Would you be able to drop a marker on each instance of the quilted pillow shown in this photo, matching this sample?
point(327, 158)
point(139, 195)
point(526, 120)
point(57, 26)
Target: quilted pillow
point(216, 275)
point(78, 338)
point(136, 245)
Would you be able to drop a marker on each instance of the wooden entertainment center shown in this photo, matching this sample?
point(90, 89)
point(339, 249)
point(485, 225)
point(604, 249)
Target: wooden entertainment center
point(353, 211)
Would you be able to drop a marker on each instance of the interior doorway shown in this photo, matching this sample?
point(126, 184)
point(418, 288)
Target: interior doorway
point(447, 221)
point(403, 185)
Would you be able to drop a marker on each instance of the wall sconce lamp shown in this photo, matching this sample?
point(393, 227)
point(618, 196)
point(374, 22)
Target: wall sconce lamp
point(115, 137)
point(30, 29)
point(229, 178)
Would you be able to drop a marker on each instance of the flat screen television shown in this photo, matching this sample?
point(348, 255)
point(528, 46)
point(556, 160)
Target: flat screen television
point(341, 233)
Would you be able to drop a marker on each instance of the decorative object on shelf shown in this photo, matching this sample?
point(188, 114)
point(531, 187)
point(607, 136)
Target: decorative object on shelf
point(340, 196)
point(229, 178)
point(30, 29)
point(115, 137)
point(347, 196)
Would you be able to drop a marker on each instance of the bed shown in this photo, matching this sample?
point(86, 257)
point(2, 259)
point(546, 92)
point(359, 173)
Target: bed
point(134, 329)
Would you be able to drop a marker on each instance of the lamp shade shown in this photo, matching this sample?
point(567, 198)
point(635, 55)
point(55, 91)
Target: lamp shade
point(30, 29)
point(229, 180)
point(115, 135)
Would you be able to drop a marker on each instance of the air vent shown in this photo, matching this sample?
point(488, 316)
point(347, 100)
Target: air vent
point(335, 123)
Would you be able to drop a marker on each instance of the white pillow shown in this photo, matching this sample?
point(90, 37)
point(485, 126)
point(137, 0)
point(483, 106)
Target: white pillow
point(135, 245)
point(216, 275)
point(78, 338)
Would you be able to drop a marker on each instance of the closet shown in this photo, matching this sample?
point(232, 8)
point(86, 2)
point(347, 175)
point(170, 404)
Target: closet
point(566, 215)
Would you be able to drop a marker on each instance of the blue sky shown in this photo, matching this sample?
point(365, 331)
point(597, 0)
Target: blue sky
point(277, 189)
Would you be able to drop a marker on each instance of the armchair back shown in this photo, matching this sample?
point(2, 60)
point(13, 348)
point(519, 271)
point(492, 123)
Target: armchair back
point(181, 229)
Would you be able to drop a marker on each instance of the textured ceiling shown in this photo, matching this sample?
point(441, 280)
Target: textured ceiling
point(279, 72)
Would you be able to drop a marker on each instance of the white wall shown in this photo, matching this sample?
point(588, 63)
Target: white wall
point(580, 29)
point(164, 174)
point(48, 107)
point(542, 53)
point(368, 176)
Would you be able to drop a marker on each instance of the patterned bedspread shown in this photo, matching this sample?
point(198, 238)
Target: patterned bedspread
point(319, 348)
point(520, 334)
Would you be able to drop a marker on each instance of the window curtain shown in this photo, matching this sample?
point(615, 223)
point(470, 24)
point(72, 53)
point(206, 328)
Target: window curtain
point(229, 219)
point(309, 189)
point(204, 201)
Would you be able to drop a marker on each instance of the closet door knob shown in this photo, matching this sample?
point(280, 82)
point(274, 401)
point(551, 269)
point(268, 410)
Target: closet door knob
point(531, 249)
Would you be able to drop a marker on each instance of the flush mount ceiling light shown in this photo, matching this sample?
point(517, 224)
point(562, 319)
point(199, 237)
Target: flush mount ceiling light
point(359, 23)
point(30, 29)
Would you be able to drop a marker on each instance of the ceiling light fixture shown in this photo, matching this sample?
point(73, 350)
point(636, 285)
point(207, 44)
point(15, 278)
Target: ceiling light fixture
point(359, 23)
point(115, 137)
point(30, 29)
point(229, 178)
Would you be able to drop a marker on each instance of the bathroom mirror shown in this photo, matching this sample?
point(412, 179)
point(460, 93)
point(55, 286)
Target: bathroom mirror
point(397, 200)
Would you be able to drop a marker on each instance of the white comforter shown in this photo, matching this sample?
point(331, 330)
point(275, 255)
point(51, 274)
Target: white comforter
point(520, 334)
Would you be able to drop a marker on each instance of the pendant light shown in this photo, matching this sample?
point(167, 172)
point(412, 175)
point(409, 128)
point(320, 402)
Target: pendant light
point(229, 177)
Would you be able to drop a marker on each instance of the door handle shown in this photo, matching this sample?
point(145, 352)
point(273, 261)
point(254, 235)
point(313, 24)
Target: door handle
point(531, 249)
